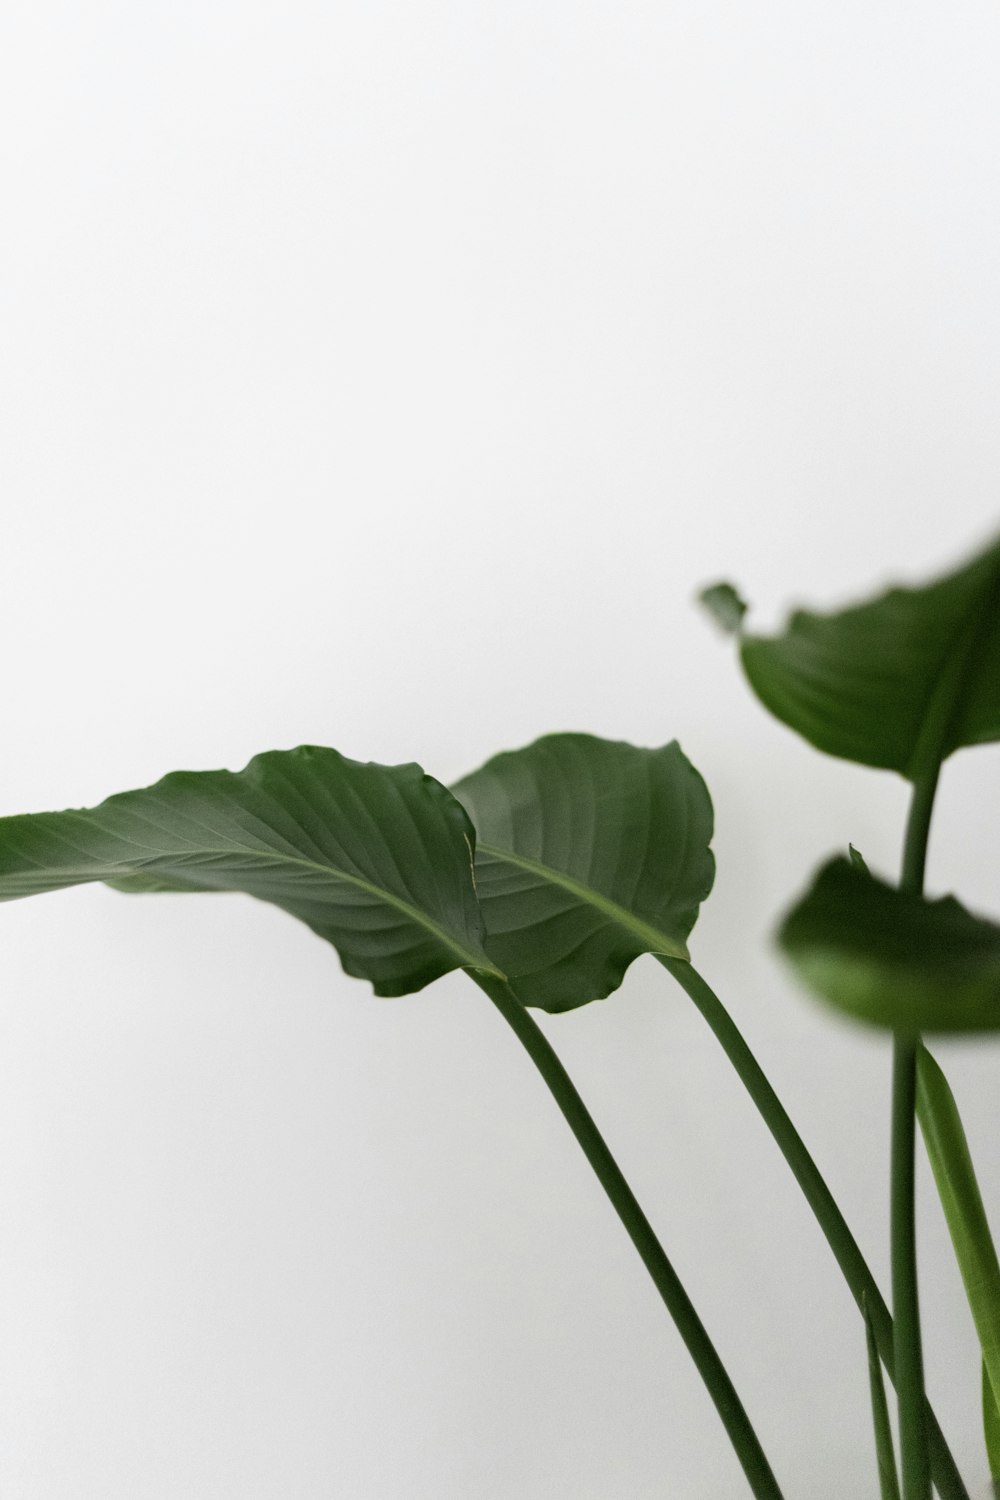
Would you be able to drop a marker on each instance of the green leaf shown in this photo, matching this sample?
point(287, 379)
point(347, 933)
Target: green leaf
point(589, 852)
point(888, 1479)
point(893, 958)
point(958, 1190)
point(991, 1429)
point(725, 605)
point(376, 859)
point(898, 682)
point(857, 860)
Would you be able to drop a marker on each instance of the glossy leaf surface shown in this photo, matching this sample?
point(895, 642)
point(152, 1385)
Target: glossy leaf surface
point(898, 682)
point(958, 1190)
point(375, 859)
point(893, 958)
point(589, 852)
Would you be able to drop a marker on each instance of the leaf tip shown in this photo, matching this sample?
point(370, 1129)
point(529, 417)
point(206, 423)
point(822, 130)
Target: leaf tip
point(725, 604)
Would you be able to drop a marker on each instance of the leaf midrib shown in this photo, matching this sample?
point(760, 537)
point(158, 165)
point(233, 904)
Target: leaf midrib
point(949, 689)
point(655, 940)
point(468, 958)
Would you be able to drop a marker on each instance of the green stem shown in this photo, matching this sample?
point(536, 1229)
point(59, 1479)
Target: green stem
point(885, 1452)
point(918, 828)
point(902, 1228)
point(905, 1301)
point(721, 1389)
point(817, 1194)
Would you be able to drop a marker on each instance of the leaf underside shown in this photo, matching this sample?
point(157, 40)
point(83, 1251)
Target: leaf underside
point(589, 852)
point(375, 859)
point(891, 957)
point(895, 682)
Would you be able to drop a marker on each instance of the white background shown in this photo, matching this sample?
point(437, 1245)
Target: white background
point(389, 376)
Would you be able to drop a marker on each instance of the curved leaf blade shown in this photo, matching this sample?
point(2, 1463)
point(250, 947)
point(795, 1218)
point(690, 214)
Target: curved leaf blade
point(965, 1214)
point(377, 860)
point(898, 682)
point(892, 958)
point(589, 852)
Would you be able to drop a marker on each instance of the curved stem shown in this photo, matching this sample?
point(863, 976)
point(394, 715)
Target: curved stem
point(817, 1194)
point(905, 1301)
point(721, 1389)
point(918, 828)
point(903, 1240)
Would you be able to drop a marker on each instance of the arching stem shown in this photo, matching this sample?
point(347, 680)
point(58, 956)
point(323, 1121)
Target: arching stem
point(755, 1466)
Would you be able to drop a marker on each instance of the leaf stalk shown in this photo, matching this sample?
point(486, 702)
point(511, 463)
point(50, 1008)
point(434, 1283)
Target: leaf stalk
point(746, 1444)
point(846, 1251)
point(914, 1462)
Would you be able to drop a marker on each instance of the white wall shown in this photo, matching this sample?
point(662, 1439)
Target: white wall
point(389, 376)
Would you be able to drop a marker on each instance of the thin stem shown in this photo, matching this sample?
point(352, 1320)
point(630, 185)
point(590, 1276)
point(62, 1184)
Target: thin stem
point(885, 1452)
point(721, 1389)
point(817, 1194)
point(902, 1225)
point(905, 1301)
point(918, 828)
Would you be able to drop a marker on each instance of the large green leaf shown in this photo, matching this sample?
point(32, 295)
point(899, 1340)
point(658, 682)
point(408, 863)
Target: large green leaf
point(893, 958)
point(897, 682)
point(378, 860)
point(589, 852)
point(958, 1189)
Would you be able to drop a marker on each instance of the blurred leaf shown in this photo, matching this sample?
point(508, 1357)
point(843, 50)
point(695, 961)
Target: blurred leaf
point(893, 958)
point(589, 852)
point(857, 860)
point(955, 1176)
point(898, 682)
point(375, 859)
point(725, 605)
point(888, 1479)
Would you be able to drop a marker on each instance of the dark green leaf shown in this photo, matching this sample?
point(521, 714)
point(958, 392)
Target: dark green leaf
point(725, 605)
point(891, 957)
point(375, 859)
point(887, 1477)
point(955, 1177)
point(589, 852)
point(857, 860)
point(898, 682)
